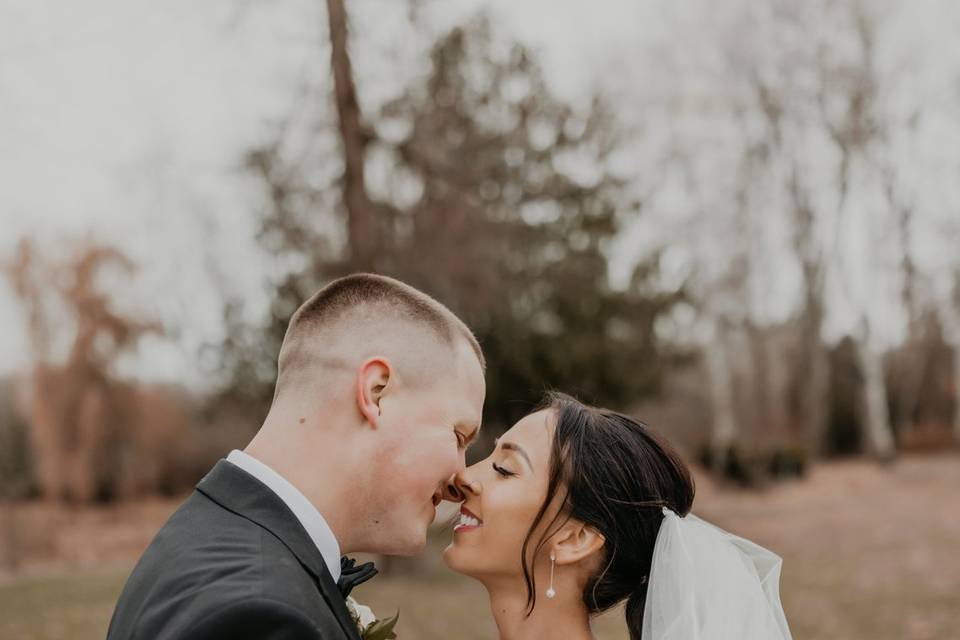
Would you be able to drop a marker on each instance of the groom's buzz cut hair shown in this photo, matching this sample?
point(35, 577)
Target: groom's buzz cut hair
point(371, 297)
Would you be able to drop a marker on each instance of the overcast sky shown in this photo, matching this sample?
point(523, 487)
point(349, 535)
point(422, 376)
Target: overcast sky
point(125, 120)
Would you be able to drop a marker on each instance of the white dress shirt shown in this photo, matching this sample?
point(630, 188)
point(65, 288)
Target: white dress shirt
point(317, 528)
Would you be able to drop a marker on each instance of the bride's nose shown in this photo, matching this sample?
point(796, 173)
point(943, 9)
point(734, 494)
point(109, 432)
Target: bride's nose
point(459, 487)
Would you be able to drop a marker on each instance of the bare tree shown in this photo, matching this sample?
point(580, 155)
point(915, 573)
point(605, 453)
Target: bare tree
point(856, 129)
point(720, 376)
point(74, 405)
point(811, 370)
point(499, 198)
point(950, 316)
point(737, 183)
point(361, 211)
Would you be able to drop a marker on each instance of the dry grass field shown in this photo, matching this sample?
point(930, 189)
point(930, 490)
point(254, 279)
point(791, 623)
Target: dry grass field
point(869, 552)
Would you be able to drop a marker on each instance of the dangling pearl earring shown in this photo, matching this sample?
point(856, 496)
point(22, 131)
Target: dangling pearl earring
point(551, 592)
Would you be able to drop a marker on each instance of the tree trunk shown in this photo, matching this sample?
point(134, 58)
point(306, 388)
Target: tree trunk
point(950, 317)
point(761, 413)
point(876, 415)
point(720, 380)
point(956, 393)
point(361, 232)
point(813, 374)
point(9, 537)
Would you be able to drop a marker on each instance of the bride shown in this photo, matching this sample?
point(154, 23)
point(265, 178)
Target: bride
point(579, 509)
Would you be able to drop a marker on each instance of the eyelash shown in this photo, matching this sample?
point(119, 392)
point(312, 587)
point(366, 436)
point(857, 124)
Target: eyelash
point(503, 472)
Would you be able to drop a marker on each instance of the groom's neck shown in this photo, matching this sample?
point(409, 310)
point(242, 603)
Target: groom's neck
point(315, 460)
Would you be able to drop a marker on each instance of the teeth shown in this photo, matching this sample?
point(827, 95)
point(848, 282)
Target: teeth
point(467, 521)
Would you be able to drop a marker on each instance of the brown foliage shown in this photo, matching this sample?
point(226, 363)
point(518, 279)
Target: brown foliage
point(92, 435)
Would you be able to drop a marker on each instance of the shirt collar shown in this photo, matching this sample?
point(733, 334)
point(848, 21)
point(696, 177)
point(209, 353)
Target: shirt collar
point(311, 520)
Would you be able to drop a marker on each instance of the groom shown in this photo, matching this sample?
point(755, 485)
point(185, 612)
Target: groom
point(379, 390)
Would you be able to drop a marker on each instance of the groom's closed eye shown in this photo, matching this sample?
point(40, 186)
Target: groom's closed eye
point(465, 436)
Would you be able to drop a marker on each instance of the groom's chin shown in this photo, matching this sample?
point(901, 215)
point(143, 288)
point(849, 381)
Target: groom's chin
point(412, 545)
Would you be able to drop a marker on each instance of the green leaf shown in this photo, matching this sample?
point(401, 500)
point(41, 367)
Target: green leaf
point(382, 629)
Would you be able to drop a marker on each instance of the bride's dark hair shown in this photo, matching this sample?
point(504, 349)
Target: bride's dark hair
point(614, 474)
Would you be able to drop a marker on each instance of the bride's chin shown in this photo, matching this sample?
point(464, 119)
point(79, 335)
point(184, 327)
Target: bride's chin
point(446, 555)
point(451, 559)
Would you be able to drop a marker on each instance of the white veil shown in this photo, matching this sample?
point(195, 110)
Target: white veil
point(707, 584)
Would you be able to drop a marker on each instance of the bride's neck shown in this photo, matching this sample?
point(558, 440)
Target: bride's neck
point(551, 618)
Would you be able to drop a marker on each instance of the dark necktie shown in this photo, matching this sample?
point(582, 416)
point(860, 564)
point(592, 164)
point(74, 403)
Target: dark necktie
point(352, 575)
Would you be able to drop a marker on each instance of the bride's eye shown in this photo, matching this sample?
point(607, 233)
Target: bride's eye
point(502, 471)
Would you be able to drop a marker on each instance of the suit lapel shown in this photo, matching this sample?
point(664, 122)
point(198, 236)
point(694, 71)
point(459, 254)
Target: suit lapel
point(337, 604)
point(236, 490)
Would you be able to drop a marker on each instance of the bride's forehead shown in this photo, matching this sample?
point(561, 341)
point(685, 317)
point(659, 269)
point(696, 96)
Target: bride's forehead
point(532, 429)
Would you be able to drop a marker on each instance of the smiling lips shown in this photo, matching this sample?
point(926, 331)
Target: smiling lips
point(467, 522)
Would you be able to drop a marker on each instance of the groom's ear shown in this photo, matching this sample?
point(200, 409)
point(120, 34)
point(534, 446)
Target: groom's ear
point(373, 376)
point(576, 541)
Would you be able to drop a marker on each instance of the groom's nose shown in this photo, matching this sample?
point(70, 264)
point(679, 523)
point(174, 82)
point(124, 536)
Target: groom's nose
point(451, 491)
point(459, 487)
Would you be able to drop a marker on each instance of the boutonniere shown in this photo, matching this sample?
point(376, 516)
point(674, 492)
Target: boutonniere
point(368, 625)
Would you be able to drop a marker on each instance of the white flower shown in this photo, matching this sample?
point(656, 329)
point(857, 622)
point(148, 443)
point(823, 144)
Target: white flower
point(363, 614)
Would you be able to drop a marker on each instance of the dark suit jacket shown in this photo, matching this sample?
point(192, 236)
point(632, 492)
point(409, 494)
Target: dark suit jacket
point(232, 562)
